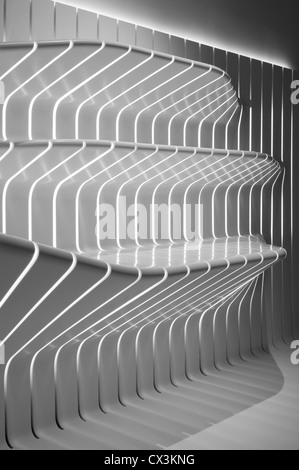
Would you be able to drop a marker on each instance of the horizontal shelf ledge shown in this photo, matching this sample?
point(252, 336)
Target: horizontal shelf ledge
point(6, 145)
point(52, 192)
point(213, 253)
point(111, 91)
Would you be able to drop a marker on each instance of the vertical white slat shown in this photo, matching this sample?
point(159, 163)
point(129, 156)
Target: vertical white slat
point(177, 46)
point(207, 54)
point(87, 23)
point(282, 319)
point(256, 103)
point(65, 22)
point(107, 29)
point(42, 20)
point(244, 79)
point(220, 59)
point(266, 107)
point(161, 42)
point(126, 33)
point(17, 20)
point(145, 37)
point(2, 32)
point(233, 69)
point(267, 147)
point(192, 50)
point(295, 196)
point(255, 129)
point(277, 111)
point(286, 216)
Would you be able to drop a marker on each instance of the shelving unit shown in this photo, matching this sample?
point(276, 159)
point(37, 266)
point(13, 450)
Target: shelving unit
point(92, 323)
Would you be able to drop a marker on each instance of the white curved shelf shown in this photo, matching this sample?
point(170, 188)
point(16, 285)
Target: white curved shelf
point(94, 90)
point(79, 313)
point(60, 193)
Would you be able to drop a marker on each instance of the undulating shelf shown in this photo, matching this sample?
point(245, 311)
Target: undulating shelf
point(133, 234)
point(89, 197)
point(92, 90)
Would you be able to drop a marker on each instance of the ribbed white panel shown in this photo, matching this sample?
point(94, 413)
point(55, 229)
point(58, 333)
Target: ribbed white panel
point(99, 111)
